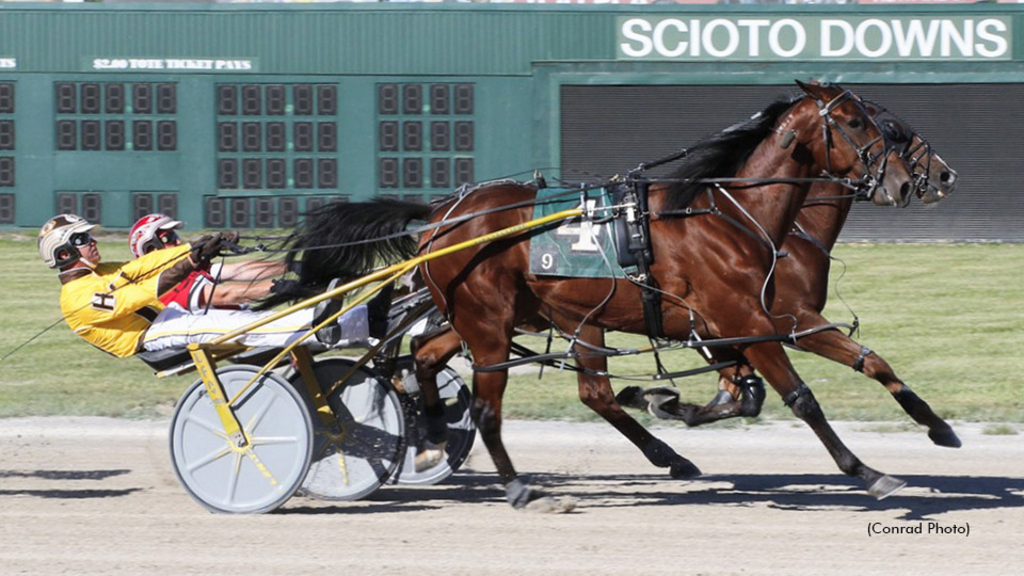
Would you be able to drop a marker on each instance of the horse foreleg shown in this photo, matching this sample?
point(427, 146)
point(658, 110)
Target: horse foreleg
point(770, 359)
point(596, 392)
point(838, 347)
point(431, 355)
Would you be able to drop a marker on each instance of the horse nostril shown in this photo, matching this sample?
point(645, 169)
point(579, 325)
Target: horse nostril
point(947, 178)
point(905, 190)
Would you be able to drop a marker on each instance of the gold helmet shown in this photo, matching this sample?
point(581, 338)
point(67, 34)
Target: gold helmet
point(63, 233)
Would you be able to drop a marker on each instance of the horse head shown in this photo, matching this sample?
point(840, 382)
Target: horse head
point(852, 145)
point(933, 178)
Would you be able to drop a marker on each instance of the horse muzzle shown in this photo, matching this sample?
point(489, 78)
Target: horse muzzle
point(883, 196)
point(947, 185)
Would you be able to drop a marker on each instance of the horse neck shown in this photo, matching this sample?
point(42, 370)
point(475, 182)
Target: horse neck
point(773, 206)
point(823, 214)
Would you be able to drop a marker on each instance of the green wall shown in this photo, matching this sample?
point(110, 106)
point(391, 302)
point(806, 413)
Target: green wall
point(515, 57)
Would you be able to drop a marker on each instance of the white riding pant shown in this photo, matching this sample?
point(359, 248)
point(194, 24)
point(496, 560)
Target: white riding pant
point(177, 328)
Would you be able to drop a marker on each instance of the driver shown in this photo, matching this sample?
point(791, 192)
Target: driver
point(116, 306)
point(227, 285)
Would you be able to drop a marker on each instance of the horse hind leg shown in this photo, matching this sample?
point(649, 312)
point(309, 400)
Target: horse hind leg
point(431, 353)
point(770, 359)
point(491, 346)
point(596, 392)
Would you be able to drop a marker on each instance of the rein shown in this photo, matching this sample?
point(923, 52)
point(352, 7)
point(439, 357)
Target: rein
point(556, 359)
point(427, 227)
point(852, 183)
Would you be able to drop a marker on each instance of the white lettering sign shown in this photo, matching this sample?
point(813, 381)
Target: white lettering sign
point(815, 38)
point(175, 64)
point(8, 63)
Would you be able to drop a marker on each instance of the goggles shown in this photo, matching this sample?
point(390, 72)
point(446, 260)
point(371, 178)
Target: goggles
point(80, 239)
point(169, 237)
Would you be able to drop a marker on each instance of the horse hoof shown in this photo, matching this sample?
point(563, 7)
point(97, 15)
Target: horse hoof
point(721, 398)
point(551, 505)
point(631, 397)
point(684, 470)
point(430, 455)
point(946, 438)
point(885, 486)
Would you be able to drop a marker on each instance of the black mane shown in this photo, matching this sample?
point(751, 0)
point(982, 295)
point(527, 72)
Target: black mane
point(721, 155)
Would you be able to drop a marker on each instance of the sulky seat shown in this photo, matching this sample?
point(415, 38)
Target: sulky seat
point(166, 359)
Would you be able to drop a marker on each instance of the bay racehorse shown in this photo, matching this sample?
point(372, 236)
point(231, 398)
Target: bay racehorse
point(801, 284)
point(801, 291)
point(714, 273)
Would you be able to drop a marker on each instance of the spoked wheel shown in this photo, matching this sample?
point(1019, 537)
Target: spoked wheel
point(356, 454)
point(458, 400)
point(259, 477)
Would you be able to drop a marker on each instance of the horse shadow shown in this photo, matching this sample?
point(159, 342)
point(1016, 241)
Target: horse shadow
point(67, 493)
point(926, 496)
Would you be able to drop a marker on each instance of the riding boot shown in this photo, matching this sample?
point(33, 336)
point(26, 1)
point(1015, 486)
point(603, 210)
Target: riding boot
point(432, 451)
point(437, 427)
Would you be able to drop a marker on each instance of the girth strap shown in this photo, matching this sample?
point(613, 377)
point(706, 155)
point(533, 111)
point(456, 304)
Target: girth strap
point(633, 243)
point(652, 310)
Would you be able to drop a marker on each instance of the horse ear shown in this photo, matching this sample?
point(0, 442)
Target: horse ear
point(823, 92)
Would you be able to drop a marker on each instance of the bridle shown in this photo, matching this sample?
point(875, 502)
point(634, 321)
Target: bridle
point(918, 157)
point(869, 184)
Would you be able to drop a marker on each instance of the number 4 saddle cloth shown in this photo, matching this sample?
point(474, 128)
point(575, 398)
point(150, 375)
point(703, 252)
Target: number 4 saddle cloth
point(581, 247)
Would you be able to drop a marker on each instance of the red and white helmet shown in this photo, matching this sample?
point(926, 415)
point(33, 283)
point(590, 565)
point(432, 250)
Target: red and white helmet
point(153, 232)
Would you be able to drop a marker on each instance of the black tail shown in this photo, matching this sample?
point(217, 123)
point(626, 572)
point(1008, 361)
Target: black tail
point(347, 240)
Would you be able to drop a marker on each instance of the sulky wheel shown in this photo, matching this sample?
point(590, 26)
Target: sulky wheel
point(356, 454)
point(458, 400)
point(259, 477)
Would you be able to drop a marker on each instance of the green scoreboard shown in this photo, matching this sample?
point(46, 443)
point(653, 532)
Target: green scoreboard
point(246, 116)
point(228, 151)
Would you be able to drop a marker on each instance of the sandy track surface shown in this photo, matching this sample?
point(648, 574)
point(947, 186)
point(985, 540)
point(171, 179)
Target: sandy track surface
point(98, 496)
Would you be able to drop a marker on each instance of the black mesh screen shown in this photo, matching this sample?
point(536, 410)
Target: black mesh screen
point(610, 129)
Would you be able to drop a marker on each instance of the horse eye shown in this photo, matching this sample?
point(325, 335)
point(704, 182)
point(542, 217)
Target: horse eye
point(855, 123)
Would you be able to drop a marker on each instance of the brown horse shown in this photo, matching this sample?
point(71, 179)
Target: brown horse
point(713, 271)
point(801, 283)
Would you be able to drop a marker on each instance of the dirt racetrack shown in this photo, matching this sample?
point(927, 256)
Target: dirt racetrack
point(88, 496)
